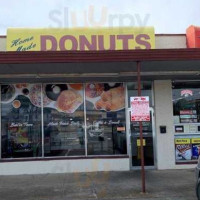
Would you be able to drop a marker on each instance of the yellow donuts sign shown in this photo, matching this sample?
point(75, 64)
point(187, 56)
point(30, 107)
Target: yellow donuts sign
point(80, 39)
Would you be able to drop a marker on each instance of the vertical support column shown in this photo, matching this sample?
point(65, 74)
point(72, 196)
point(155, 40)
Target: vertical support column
point(141, 134)
point(164, 117)
point(42, 119)
point(0, 124)
point(85, 120)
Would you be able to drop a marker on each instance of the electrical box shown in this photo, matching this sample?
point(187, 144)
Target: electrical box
point(163, 129)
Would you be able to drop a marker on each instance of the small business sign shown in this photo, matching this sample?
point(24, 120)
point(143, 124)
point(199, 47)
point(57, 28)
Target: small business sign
point(138, 142)
point(140, 109)
point(80, 39)
point(195, 140)
point(186, 93)
point(188, 112)
point(121, 128)
point(182, 141)
point(179, 129)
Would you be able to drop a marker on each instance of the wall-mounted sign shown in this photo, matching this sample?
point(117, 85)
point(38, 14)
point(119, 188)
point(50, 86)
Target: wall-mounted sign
point(188, 112)
point(138, 142)
point(192, 128)
point(140, 108)
point(186, 93)
point(121, 128)
point(179, 129)
point(83, 39)
point(195, 140)
point(182, 141)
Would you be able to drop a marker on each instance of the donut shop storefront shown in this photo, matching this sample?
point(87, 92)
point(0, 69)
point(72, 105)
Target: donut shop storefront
point(65, 100)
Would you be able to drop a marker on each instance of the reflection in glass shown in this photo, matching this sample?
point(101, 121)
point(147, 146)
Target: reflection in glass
point(148, 147)
point(63, 120)
point(146, 90)
point(186, 102)
point(105, 111)
point(21, 120)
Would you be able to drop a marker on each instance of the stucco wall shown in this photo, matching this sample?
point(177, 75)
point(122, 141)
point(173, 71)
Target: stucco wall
point(170, 41)
point(164, 116)
point(64, 166)
point(2, 44)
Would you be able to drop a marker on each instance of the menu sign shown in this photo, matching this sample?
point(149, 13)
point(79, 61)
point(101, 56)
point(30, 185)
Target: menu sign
point(140, 108)
point(188, 112)
point(188, 116)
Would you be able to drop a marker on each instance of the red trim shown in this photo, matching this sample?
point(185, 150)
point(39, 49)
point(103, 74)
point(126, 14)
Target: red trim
point(63, 158)
point(100, 56)
point(3, 36)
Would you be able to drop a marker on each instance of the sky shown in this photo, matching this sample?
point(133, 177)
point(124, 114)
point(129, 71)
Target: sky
point(166, 16)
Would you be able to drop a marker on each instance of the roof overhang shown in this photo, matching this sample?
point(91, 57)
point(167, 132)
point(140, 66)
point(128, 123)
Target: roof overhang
point(100, 65)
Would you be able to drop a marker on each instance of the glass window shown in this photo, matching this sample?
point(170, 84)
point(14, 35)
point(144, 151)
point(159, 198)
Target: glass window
point(186, 99)
point(21, 120)
point(57, 111)
point(64, 133)
point(186, 108)
point(105, 111)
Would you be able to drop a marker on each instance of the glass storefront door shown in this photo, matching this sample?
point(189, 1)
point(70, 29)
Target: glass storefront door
point(148, 136)
point(133, 131)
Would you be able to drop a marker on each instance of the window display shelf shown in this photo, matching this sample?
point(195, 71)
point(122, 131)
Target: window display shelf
point(186, 134)
point(188, 162)
point(196, 123)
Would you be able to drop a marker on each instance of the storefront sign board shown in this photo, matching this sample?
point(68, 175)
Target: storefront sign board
point(84, 39)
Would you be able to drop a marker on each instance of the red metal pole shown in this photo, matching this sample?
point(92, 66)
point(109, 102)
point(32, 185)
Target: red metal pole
point(141, 134)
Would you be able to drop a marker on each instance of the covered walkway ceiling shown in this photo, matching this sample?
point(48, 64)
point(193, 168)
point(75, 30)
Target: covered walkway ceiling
point(100, 65)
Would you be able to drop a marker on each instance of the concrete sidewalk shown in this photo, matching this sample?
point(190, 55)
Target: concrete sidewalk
point(165, 185)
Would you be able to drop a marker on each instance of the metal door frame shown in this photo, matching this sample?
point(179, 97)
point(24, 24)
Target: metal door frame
point(128, 133)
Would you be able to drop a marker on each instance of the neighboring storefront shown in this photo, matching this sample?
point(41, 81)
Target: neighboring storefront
point(69, 110)
point(186, 104)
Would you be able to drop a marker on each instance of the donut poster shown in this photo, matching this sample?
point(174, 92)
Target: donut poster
point(10, 94)
point(108, 97)
point(66, 98)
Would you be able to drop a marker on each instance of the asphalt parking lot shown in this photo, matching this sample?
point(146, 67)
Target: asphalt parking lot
point(165, 185)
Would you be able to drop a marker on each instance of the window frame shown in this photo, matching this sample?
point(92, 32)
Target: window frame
point(43, 157)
